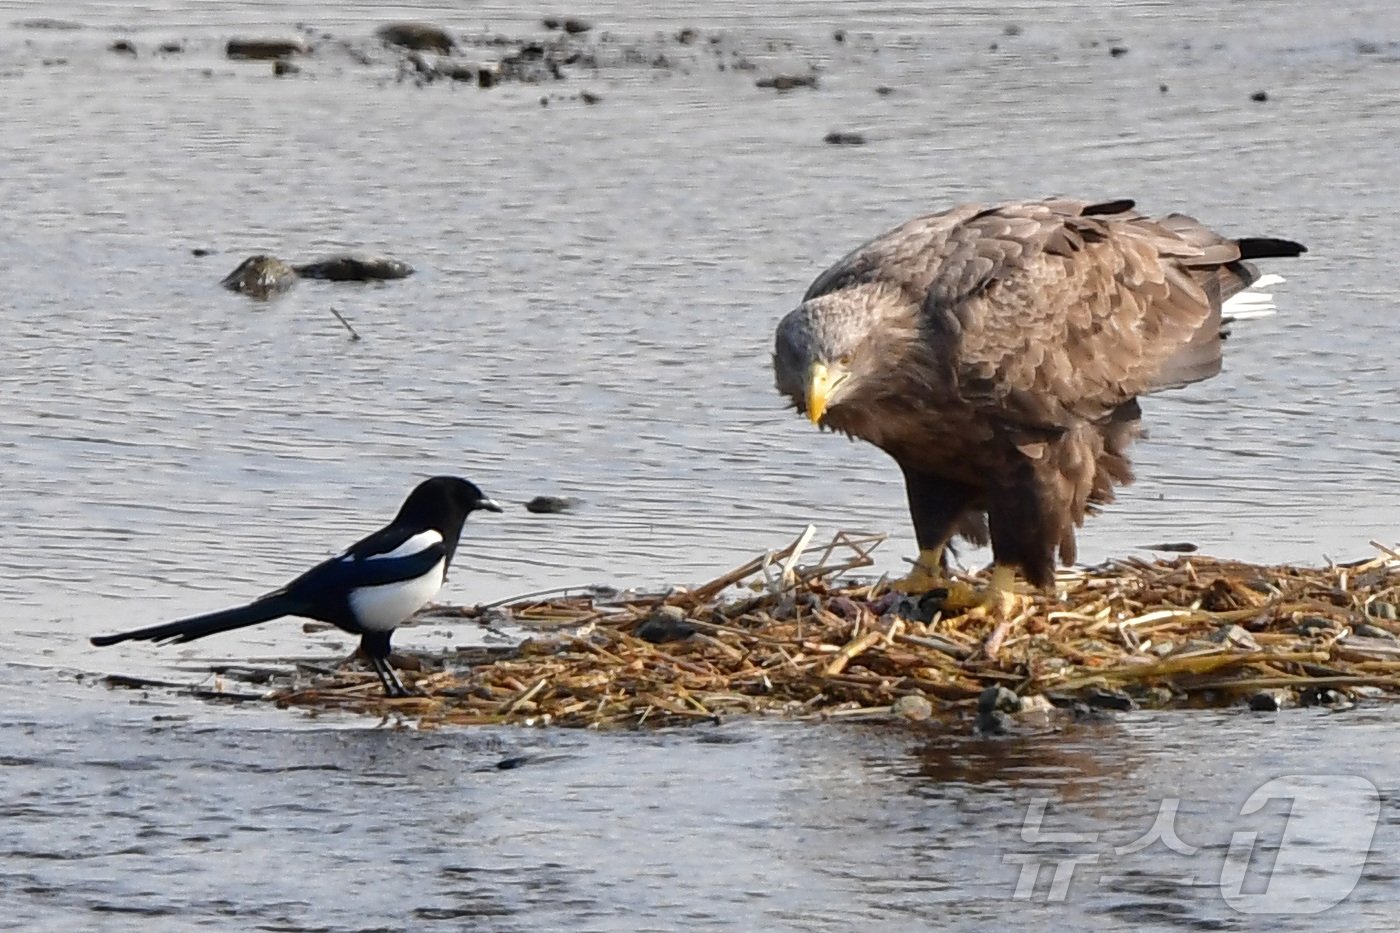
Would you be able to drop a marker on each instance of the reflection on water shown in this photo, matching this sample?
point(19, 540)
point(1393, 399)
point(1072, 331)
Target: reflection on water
point(171, 818)
point(591, 317)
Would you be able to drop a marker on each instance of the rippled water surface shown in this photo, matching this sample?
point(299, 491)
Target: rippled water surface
point(591, 316)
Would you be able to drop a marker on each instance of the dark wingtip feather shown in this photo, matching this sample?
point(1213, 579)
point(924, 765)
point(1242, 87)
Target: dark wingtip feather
point(1110, 207)
point(1264, 247)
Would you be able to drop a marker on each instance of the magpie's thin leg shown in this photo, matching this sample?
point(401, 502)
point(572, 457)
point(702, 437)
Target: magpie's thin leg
point(393, 687)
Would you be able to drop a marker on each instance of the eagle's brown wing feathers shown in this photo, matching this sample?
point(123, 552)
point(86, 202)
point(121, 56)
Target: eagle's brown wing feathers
point(1065, 315)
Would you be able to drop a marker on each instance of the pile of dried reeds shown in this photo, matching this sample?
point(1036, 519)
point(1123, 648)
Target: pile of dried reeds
point(800, 640)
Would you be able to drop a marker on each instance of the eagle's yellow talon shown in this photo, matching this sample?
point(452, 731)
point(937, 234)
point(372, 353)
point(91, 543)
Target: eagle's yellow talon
point(927, 574)
point(963, 597)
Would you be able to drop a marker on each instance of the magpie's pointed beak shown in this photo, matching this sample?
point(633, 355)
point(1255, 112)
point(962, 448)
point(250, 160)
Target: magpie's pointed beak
point(489, 505)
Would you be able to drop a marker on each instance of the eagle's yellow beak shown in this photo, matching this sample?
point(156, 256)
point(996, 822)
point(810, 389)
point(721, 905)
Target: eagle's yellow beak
point(821, 384)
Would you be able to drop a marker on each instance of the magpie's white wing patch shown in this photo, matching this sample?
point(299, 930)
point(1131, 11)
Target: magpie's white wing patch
point(416, 544)
point(383, 608)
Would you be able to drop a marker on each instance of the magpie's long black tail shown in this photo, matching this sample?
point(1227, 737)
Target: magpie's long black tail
point(226, 620)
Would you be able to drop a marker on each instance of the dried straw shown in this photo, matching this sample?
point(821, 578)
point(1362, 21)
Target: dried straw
point(776, 636)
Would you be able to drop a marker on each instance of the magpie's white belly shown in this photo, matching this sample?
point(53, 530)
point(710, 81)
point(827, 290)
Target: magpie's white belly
point(382, 608)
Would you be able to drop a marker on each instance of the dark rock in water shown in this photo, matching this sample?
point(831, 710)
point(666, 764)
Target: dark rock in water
point(588, 97)
point(992, 708)
point(839, 35)
point(171, 48)
point(549, 505)
point(1011, 29)
point(1118, 51)
point(1174, 547)
point(201, 251)
point(1259, 97)
point(787, 82)
point(837, 138)
point(260, 277)
point(1104, 698)
point(1264, 702)
point(686, 36)
point(884, 90)
point(572, 25)
point(264, 48)
point(350, 268)
point(281, 68)
point(122, 47)
point(1319, 696)
point(421, 37)
point(666, 623)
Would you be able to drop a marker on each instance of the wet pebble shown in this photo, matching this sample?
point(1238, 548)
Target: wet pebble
point(1320, 696)
point(260, 277)
point(666, 623)
point(170, 48)
point(550, 505)
point(1265, 701)
point(1036, 703)
point(1259, 97)
point(264, 48)
point(992, 707)
point(1156, 697)
point(913, 707)
point(1235, 636)
point(122, 47)
point(1118, 51)
point(421, 37)
point(838, 138)
point(1105, 698)
point(787, 82)
point(282, 68)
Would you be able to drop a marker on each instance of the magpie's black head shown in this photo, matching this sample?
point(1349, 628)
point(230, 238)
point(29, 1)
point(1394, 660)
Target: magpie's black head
point(443, 503)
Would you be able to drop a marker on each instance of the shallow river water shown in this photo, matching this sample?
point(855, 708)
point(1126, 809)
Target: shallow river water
point(592, 316)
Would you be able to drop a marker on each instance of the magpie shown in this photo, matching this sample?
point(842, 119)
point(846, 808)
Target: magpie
point(369, 590)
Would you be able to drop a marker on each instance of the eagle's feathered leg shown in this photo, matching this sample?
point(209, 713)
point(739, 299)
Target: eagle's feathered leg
point(938, 507)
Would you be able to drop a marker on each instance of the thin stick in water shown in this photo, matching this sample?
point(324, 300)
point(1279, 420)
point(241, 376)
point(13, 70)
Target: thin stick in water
point(338, 317)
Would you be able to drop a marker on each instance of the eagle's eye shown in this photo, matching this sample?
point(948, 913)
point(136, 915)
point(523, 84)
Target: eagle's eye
point(844, 359)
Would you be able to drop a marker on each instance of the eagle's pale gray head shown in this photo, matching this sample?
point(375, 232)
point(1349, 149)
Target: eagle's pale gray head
point(829, 348)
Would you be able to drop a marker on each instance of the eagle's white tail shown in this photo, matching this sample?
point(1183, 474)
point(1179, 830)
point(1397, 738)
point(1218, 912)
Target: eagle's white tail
point(1252, 302)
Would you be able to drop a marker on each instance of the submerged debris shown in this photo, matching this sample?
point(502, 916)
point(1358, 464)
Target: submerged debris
point(264, 48)
point(422, 37)
point(787, 82)
point(804, 641)
point(266, 276)
point(260, 277)
point(351, 267)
